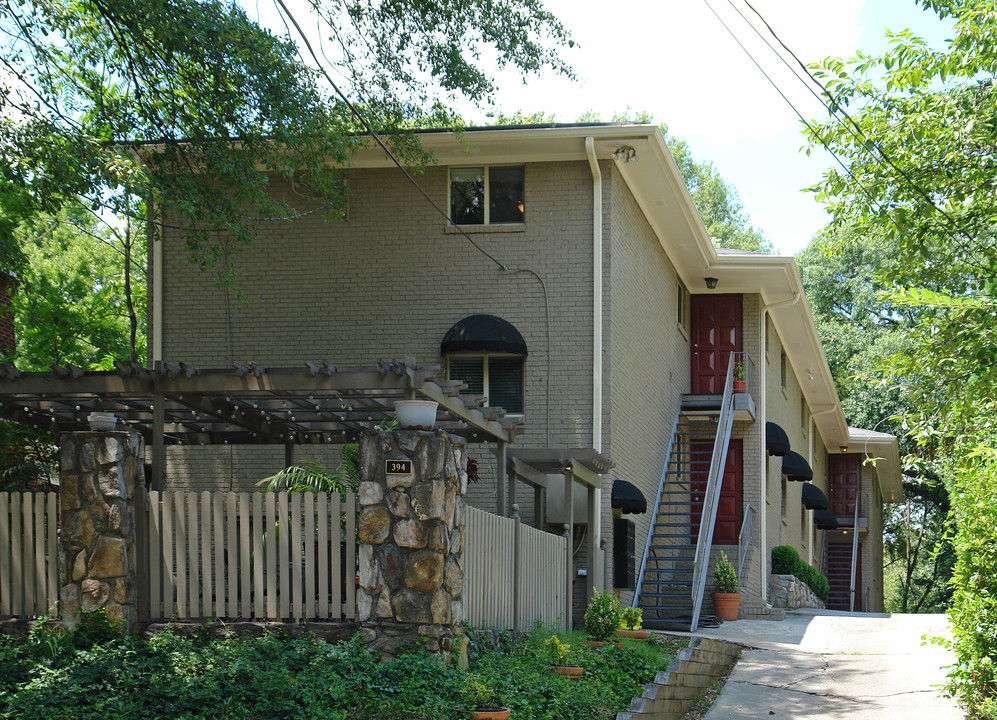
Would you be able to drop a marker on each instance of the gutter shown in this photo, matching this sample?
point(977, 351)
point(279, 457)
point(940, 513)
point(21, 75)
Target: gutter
point(762, 455)
point(596, 322)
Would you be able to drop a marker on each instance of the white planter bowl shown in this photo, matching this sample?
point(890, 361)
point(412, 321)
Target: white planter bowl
point(416, 414)
point(102, 422)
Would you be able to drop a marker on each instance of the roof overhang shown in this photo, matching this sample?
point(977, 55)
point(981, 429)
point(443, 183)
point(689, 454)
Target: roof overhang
point(882, 451)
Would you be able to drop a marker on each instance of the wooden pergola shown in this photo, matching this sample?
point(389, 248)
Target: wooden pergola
point(317, 403)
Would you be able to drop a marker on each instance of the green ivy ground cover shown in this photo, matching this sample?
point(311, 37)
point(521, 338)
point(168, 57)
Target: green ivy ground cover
point(100, 675)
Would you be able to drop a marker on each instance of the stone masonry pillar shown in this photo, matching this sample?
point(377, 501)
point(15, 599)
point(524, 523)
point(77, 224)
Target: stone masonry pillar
point(99, 474)
point(411, 541)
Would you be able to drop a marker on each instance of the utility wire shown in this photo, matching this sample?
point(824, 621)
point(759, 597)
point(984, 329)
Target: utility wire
point(853, 126)
point(377, 139)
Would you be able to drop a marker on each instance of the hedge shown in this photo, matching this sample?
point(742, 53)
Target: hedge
point(786, 561)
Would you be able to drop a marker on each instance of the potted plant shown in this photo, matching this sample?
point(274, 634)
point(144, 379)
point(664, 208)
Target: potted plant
point(558, 655)
point(416, 414)
point(740, 378)
point(630, 622)
point(726, 598)
point(602, 617)
point(479, 697)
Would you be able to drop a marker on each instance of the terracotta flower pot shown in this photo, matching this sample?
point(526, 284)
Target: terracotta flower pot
point(740, 386)
point(725, 605)
point(569, 671)
point(634, 634)
point(599, 643)
point(491, 713)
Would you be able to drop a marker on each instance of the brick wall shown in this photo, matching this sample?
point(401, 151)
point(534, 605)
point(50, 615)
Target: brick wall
point(389, 282)
point(648, 355)
point(8, 340)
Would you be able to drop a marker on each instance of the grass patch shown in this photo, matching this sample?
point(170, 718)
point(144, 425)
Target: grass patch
point(100, 674)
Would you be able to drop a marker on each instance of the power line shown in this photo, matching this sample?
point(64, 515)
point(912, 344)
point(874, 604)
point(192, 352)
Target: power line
point(363, 120)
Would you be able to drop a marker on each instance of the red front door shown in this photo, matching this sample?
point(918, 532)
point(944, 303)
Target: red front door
point(730, 511)
point(716, 333)
point(845, 479)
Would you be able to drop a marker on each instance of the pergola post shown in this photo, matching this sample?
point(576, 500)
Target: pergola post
point(500, 479)
point(569, 528)
point(158, 448)
point(591, 543)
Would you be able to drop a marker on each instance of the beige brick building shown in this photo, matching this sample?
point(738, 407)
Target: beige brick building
point(600, 261)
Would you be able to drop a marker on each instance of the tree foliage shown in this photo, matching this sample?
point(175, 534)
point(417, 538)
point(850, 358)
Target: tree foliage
point(191, 106)
point(72, 305)
point(919, 145)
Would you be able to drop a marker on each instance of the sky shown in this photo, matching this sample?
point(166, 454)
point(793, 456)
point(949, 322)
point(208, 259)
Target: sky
point(675, 60)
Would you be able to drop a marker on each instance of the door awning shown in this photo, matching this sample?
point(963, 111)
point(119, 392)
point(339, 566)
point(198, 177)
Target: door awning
point(776, 440)
point(627, 498)
point(483, 333)
point(825, 520)
point(796, 468)
point(813, 497)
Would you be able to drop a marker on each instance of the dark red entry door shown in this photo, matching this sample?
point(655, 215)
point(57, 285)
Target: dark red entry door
point(845, 479)
point(716, 333)
point(730, 512)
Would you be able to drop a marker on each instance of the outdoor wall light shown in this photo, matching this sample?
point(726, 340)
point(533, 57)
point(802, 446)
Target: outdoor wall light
point(844, 448)
point(711, 283)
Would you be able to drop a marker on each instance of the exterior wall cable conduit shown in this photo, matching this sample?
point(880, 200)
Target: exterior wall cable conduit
point(763, 457)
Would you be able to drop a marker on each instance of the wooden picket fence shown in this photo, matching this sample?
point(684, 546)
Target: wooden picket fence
point(514, 574)
point(271, 556)
point(29, 580)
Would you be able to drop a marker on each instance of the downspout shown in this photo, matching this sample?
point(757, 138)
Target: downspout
point(156, 233)
point(763, 455)
point(596, 320)
point(810, 459)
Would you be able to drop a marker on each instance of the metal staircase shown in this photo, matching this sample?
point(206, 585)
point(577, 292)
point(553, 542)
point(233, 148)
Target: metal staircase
point(673, 571)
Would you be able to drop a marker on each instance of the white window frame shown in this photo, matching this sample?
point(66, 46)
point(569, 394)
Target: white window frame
point(488, 189)
point(485, 387)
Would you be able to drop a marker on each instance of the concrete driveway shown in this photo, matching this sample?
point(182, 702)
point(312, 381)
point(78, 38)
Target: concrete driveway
point(825, 664)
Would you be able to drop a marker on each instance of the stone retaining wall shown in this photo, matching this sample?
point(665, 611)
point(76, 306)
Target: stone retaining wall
point(673, 691)
point(788, 591)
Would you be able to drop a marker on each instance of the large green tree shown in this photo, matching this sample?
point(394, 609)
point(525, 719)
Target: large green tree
point(919, 144)
point(192, 107)
point(861, 330)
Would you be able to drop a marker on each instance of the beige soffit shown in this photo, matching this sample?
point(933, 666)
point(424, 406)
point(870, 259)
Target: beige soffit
point(883, 450)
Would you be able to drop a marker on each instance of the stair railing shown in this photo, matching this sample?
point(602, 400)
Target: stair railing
point(657, 505)
point(711, 498)
point(745, 538)
point(855, 550)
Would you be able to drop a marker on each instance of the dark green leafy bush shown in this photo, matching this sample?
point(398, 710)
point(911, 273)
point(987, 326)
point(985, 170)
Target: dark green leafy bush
point(54, 675)
point(787, 561)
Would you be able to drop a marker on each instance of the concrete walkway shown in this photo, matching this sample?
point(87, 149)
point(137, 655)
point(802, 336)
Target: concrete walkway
point(823, 664)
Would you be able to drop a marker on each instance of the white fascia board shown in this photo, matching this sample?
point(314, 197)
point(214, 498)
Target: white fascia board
point(884, 450)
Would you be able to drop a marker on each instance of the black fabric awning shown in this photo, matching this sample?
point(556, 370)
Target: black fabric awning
point(776, 440)
point(825, 520)
point(813, 497)
point(628, 498)
point(796, 468)
point(483, 333)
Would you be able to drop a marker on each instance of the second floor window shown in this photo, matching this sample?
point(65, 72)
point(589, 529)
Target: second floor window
point(487, 195)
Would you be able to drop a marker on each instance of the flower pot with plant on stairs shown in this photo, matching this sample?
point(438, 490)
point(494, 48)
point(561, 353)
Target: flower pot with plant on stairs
point(726, 598)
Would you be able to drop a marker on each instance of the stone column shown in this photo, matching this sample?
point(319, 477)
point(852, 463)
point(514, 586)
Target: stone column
point(411, 542)
point(99, 474)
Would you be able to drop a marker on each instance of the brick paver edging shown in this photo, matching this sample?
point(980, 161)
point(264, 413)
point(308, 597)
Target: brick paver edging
point(673, 691)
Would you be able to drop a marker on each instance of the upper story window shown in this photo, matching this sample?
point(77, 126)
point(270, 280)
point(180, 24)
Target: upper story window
point(682, 305)
point(487, 195)
point(487, 353)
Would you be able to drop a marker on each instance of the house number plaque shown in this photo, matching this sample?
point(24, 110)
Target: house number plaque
point(398, 467)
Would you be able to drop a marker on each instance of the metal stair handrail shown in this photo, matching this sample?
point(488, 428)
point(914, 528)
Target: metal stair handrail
point(745, 538)
point(657, 505)
point(711, 498)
